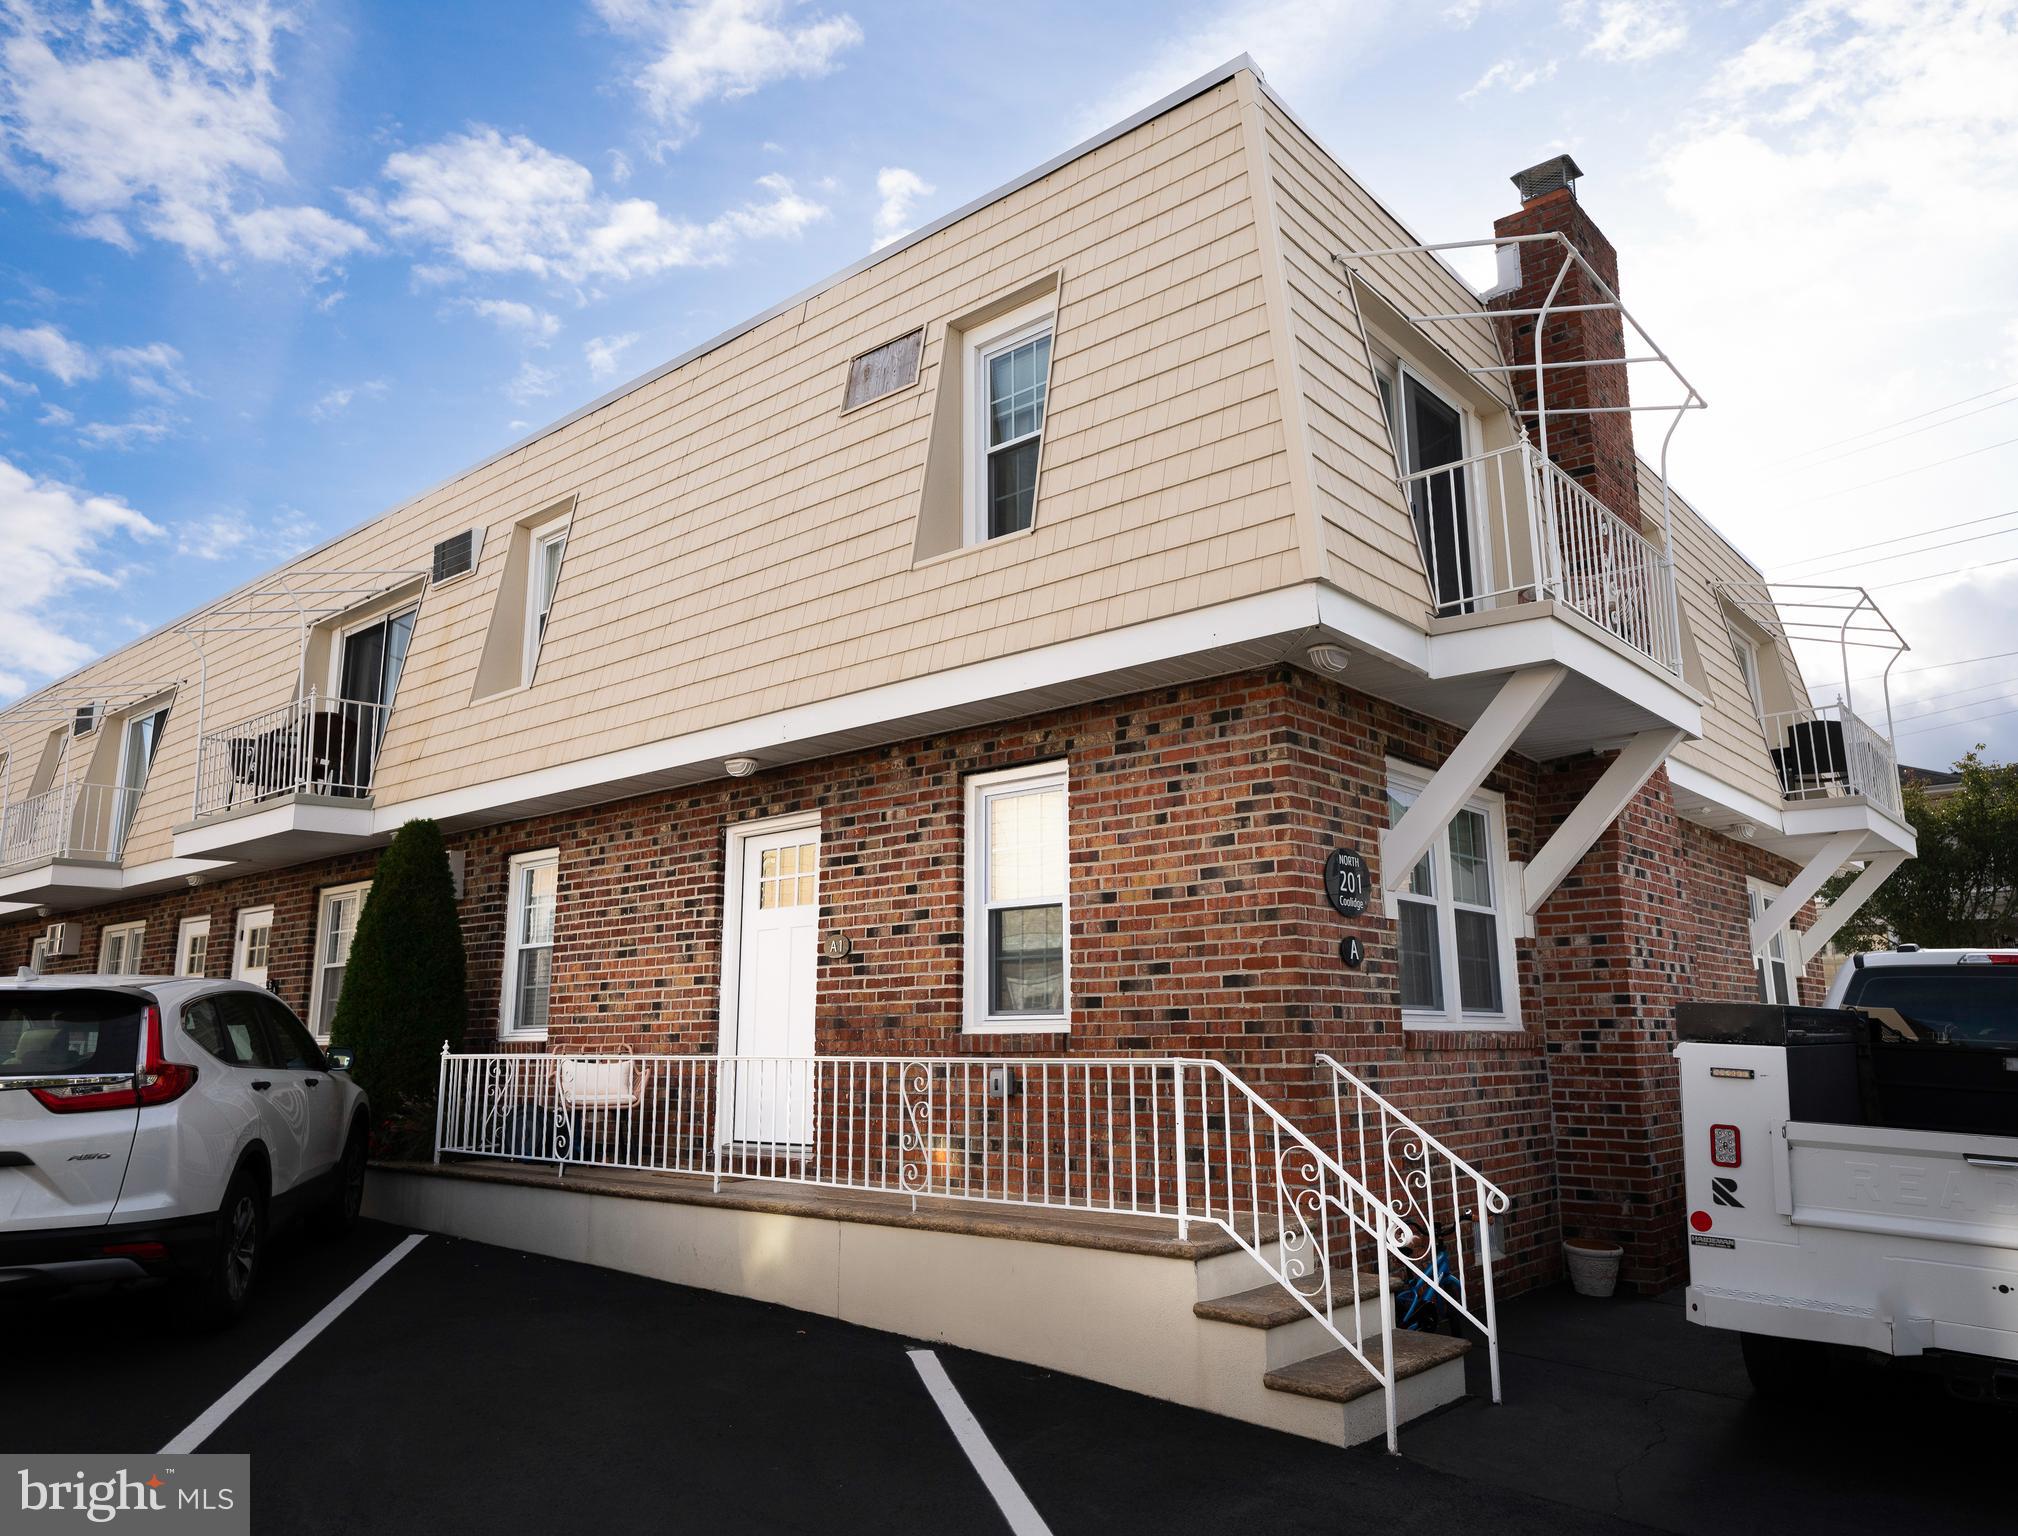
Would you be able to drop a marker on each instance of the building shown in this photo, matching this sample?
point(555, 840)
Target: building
point(983, 653)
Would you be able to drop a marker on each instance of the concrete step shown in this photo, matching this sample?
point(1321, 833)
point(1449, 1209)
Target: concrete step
point(1271, 1306)
point(1335, 1377)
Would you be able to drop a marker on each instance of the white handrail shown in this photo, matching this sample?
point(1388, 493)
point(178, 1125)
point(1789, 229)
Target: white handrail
point(309, 745)
point(86, 821)
point(1511, 526)
point(1414, 1172)
point(1181, 1138)
point(1826, 752)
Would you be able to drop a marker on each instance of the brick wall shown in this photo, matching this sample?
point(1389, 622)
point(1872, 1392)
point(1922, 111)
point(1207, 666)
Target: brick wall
point(1201, 817)
point(1596, 449)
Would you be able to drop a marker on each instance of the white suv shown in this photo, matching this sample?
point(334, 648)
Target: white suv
point(162, 1127)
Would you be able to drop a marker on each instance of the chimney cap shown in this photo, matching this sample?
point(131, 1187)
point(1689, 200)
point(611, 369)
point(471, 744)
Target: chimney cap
point(1558, 171)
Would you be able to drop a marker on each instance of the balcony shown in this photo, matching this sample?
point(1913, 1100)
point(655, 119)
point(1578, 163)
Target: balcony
point(65, 842)
point(292, 782)
point(1509, 528)
point(1829, 753)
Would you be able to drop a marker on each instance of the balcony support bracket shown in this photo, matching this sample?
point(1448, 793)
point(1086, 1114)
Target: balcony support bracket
point(1490, 738)
point(1802, 889)
point(1599, 808)
point(1877, 870)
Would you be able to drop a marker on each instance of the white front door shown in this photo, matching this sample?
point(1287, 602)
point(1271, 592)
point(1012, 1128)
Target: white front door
point(251, 943)
point(777, 973)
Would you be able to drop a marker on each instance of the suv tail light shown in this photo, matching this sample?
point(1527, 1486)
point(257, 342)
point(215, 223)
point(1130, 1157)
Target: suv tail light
point(158, 1081)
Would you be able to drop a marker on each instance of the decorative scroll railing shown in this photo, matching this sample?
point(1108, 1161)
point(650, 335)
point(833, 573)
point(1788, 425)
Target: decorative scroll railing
point(1434, 1191)
point(1178, 1138)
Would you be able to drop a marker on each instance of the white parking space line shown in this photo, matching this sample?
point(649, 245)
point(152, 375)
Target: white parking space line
point(995, 1476)
point(207, 1422)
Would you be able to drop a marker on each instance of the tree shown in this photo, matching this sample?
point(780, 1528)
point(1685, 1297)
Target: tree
point(1961, 891)
point(405, 988)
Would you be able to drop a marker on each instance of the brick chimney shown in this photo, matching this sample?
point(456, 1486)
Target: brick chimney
point(1596, 449)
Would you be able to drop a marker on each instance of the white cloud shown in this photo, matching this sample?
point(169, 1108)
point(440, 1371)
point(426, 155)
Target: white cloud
point(149, 426)
point(47, 348)
point(162, 119)
point(154, 371)
point(900, 190)
point(1297, 43)
point(231, 531)
point(1512, 76)
point(724, 49)
point(531, 382)
point(620, 167)
point(493, 203)
point(58, 539)
point(336, 400)
point(1631, 31)
point(605, 354)
point(54, 416)
point(511, 315)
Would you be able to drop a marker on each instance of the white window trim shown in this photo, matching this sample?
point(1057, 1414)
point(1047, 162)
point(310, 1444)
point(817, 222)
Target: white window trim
point(238, 928)
point(105, 937)
point(342, 638)
point(1408, 781)
point(318, 963)
point(545, 534)
point(38, 953)
point(980, 788)
point(123, 814)
point(1745, 652)
point(187, 929)
point(977, 345)
point(515, 941)
point(1758, 897)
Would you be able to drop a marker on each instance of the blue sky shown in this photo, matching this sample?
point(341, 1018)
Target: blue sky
point(267, 270)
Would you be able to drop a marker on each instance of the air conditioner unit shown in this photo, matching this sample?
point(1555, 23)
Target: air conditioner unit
point(61, 940)
point(456, 555)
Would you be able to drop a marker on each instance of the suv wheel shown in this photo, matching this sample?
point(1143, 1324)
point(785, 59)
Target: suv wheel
point(339, 1213)
point(219, 1293)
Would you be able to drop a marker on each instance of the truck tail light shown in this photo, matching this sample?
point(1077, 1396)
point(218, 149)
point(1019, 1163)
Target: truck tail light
point(1725, 1147)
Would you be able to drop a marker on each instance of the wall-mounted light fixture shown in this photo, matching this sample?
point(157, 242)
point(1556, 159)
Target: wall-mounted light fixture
point(740, 767)
point(1330, 658)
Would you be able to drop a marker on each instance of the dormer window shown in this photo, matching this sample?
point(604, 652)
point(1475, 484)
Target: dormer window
point(544, 575)
point(1009, 373)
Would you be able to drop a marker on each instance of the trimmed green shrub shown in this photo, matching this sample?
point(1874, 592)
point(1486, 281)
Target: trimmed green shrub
point(405, 989)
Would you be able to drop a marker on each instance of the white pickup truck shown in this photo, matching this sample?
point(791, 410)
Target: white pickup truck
point(1853, 1171)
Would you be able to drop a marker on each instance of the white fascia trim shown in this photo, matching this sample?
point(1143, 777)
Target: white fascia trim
point(1548, 638)
point(167, 871)
point(196, 839)
point(1826, 819)
point(1288, 612)
point(61, 874)
point(1693, 781)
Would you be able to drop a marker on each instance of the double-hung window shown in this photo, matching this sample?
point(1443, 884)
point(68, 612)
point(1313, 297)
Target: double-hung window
point(1776, 982)
point(1009, 376)
point(529, 944)
point(192, 947)
point(1018, 921)
point(119, 949)
point(543, 579)
point(336, 918)
point(1455, 940)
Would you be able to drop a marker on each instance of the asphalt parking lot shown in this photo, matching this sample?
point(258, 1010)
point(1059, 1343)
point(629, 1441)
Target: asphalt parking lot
point(471, 1388)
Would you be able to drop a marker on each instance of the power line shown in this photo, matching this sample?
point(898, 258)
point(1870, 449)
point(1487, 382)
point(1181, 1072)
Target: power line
point(1949, 709)
point(1960, 570)
point(1922, 533)
point(1950, 693)
point(1903, 420)
point(1956, 725)
point(1925, 549)
point(1884, 442)
point(1917, 469)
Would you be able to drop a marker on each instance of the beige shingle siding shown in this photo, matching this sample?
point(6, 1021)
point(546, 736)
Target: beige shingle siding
point(740, 546)
point(1368, 543)
point(1732, 747)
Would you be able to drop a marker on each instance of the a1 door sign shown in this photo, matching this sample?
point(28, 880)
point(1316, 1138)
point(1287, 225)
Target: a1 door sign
point(1345, 883)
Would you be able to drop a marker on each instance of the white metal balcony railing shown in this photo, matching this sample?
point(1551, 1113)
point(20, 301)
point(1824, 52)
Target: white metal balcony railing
point(309, 745)
point(72, 821)
point(1828, 752)
point(1173, 1137)
point(1510, 526)
point(1436, 1192)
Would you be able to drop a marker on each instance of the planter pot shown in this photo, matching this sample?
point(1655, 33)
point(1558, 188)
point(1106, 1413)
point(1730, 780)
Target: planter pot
point(1594, 1265)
